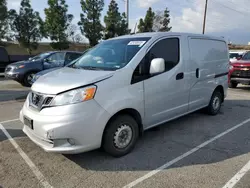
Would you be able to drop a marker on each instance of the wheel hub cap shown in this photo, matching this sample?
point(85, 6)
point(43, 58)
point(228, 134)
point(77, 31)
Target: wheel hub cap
point(30, 77)
point(216, 103)
point(123, 136)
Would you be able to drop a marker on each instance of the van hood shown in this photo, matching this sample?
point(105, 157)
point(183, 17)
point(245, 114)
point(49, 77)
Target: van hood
point(68, 78)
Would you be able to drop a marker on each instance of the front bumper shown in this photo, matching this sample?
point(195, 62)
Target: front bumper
point(55, 128)
point(239, 75)
point(241, 79)
point(14, 76)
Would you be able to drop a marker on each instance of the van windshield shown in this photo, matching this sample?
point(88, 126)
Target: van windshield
point(111, 54)
point(246, 56)
point(234, 55)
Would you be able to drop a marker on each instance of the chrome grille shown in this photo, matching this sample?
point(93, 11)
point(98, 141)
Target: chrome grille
point(8, 69)
point(39, 101)
point(241, 73)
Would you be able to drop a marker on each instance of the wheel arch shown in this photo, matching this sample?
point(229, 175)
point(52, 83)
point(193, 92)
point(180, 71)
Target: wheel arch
point(221, 90)
point(129, 111)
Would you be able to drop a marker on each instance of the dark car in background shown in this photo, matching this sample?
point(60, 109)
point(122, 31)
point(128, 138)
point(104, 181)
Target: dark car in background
point(39, 74)
point(24, 71)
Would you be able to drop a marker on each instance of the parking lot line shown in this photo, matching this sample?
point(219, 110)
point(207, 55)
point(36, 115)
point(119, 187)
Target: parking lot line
point(232, 182)
point(8, 121)
point(168, 164)
point(32, 166)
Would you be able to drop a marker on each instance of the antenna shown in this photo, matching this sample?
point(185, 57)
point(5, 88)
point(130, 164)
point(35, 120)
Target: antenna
point(135, 27)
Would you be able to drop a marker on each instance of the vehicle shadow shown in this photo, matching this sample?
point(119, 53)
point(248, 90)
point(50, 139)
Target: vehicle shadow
point(8, 95)
point(170, 140)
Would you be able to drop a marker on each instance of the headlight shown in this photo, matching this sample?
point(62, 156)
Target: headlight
point(74, 96)
point(231, 67)
point(19, 67)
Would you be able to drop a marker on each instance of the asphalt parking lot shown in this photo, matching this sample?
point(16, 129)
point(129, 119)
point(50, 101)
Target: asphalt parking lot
point(11, 90)
point(194, 151)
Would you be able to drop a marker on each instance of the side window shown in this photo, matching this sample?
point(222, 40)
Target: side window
point(168, 49)
point(69, 57)
point(56, 59)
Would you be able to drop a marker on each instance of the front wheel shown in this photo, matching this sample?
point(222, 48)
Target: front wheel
point(215, 103)
point(120, 136)
point(27, 81)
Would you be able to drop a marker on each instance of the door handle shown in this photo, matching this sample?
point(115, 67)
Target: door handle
point(197, 73)
point(180, 76)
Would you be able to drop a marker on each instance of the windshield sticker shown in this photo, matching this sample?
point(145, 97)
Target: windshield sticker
point(136, 43)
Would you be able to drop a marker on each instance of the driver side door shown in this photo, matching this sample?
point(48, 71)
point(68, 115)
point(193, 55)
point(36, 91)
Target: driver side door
point(166, 94)
point(54, 60)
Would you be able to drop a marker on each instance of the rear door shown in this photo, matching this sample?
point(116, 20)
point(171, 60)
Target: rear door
point(54, 60)
point(166, 94)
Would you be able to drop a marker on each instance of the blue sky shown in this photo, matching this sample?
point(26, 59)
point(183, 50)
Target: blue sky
point(226, 18)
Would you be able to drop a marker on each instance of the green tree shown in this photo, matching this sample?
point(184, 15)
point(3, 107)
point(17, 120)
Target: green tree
point(141, 26)
point(57, 22)
point(146, 25)
point(123, 29)
point(3, 19)
point(166, 21)
point(116, 24)
point(90, 23)
point(26, 26)
point(149, 20)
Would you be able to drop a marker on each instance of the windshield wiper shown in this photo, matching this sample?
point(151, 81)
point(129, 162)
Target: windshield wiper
point(91, 68)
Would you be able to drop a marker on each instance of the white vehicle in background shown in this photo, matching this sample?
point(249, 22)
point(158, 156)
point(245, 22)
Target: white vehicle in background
point(236, 55)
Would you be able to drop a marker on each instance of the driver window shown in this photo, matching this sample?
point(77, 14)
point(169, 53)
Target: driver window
point(168, 49)
point(56, 59)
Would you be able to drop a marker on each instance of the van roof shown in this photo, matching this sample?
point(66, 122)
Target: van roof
point(162, 34)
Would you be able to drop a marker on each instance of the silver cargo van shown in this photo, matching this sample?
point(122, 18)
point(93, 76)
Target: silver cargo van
point(124, 86)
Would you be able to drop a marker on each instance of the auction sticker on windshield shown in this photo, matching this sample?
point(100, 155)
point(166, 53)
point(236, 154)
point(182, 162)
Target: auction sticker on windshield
point(136, 43)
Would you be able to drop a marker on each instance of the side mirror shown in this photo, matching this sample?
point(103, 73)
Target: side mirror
point(157, 66)
point(238, 58)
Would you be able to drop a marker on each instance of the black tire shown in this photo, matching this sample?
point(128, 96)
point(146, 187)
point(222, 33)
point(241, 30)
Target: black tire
point(232, 85)
point(215, 103)
point(26, 81)
point(109, 137)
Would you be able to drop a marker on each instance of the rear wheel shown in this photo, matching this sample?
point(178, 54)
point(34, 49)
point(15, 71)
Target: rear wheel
point(27, 81)
point(120, 136)
point(232, 85)
point(215, 103)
